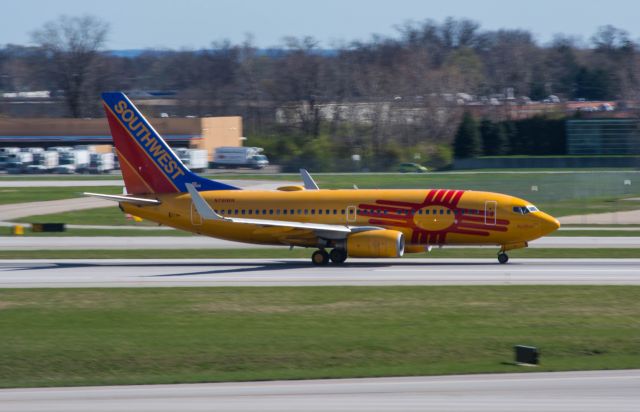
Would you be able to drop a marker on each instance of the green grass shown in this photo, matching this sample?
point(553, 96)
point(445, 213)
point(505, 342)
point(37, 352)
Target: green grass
point(569, 207)
point(10, 195)
point(97, 232)
point(596, 233)
point(117, 176)
point(110, 215)
point(285, 253)
point(60, 337)
point(130, 231)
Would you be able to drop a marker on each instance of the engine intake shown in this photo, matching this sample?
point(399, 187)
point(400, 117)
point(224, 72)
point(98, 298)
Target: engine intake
point(376, 244)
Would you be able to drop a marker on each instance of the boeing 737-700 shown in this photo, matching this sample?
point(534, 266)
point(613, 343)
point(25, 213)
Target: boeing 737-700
point(381, 223)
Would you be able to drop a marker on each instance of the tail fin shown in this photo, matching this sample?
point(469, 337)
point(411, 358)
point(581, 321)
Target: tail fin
point(147, 162)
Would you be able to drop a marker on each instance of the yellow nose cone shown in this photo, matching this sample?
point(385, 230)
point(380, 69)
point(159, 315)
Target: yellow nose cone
point(548, 224)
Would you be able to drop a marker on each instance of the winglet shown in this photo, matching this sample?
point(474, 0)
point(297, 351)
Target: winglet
point(309, 183)
point(201, 205)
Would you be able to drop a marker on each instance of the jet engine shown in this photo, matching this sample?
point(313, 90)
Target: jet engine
point(376, 244)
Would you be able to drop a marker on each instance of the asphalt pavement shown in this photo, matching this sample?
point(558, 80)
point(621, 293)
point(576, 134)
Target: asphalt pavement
point(300, 272)
point(594, 391)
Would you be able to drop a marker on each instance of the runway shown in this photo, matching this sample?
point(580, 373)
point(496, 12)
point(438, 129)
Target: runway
point(559, 391)
point(300, 272)
point(203, 242)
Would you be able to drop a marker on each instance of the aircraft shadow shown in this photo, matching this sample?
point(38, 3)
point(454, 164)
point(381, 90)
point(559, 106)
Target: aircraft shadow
point(247, 267)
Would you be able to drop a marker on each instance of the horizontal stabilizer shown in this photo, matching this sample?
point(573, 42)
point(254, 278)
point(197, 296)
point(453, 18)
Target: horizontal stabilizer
point(126, 199)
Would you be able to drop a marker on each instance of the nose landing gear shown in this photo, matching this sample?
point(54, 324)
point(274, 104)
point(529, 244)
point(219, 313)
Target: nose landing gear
point(503, 257)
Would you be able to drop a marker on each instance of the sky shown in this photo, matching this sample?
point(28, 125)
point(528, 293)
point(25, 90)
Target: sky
point(175, 24)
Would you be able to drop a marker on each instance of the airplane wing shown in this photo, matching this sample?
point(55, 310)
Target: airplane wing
point(127, 199)
point(208, 213)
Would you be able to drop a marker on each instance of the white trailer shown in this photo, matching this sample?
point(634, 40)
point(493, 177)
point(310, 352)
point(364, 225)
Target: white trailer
point(18, 162)
point(234, 157)
point(5, 152)
point(100, 163)
point(195, 159)
point(44, 162)
point(72, 160)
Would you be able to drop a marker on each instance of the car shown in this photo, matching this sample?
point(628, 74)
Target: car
point(412, 168)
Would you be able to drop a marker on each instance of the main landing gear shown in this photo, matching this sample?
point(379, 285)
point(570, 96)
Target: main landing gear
point(503, 257)
point(337, 255)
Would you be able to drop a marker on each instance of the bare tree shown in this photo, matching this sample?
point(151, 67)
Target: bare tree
point(72, 46)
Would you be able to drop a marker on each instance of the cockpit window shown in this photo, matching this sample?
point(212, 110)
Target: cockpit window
point(523, 210)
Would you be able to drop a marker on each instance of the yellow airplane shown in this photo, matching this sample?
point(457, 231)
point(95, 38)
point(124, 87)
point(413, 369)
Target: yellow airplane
point(350, 223)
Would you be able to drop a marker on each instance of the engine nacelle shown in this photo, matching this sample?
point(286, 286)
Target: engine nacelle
point(376, 244)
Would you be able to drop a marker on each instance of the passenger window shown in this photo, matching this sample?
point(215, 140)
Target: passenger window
point(448, 211)
point(319, 211)
point(306, 211)
point(284, 211)
point(342, 211)
point(292, 211)
point(328, 211)
point(242, 211)
point(335, 211)
point(313, 211)
point(442, 211)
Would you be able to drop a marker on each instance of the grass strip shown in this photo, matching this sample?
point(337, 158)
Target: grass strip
point(11, 195)
point(60, 337)
point(284, 253)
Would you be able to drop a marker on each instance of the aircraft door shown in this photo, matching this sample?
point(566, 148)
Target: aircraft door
point(351, 214)
point(196, 219)
point(490, 212)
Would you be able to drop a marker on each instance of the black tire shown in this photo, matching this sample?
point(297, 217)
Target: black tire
point(503, 258)
point(320, 257)
point(338, 255)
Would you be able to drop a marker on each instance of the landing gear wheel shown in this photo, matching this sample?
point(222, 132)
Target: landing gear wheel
point(503, 258)
point(320, 257)
point(338, 255)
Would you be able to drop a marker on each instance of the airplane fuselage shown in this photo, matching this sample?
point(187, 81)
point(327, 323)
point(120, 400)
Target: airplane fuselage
point(425, 217)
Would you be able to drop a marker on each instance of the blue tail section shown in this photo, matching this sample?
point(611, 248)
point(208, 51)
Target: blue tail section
point(148, 163)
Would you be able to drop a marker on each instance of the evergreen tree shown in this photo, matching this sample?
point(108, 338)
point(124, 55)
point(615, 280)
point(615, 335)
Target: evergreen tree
point(494, 138)
point(467, 141)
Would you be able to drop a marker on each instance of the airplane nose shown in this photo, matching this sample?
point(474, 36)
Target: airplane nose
point(548, 224)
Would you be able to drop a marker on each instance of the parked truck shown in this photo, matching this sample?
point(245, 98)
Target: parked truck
point(235, 157)
point(18, 162)
point(43, 162)
point(72, 160)
point(5, 152)
point(99, 163)
point(195, 159)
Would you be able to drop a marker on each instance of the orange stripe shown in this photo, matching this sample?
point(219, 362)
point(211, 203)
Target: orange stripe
point(142, 148)
point(133, 169)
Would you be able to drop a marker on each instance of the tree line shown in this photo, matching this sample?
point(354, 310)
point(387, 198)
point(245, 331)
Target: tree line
point(387, 99)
